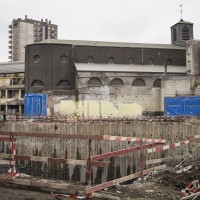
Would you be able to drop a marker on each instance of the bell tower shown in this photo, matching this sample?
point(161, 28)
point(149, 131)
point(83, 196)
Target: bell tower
point(182, 31)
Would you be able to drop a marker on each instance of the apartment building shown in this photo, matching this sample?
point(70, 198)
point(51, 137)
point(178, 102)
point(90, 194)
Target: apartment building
point(28, 31)
point(11, 89)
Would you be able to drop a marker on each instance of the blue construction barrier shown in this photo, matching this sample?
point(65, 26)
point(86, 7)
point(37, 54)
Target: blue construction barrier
point(182, 106)
point(35, 105)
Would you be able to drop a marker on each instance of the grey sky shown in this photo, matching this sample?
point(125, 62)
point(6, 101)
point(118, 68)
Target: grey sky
point(135, 21)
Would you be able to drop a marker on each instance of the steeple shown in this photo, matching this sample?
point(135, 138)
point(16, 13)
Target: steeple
point(182, 31)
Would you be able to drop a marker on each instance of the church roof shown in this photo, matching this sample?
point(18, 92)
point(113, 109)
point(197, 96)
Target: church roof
point(109, 44)
point(182, 22)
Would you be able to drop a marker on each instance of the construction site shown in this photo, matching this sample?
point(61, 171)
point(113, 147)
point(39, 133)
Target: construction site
point(101, 120)
point(115, 158)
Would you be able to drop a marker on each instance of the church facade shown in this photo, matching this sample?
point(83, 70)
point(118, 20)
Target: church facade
point(90, 78)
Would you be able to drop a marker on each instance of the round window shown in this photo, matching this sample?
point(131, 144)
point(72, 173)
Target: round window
point(130, 60)
point(63, 59)
point(36, 59)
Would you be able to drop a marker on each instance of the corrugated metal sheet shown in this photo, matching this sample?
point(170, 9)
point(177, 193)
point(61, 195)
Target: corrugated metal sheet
point(35, 105)
point(129, 68)
point(12, 67)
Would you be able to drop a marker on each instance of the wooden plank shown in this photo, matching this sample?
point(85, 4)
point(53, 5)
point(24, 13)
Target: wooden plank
point(7, 162)
point(155, 161)
point(100, 164)
point(120, 152)
point(7, 139)
point(121, 180)
point(4, 155)
point(45, 184)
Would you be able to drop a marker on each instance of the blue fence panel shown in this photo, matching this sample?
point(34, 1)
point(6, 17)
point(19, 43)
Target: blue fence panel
point(35, 105)
point(182, 106)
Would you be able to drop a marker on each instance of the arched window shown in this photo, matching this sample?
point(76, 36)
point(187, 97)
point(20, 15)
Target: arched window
point(138, 82)
point(63, 83)
point(116, 82)
point(37, 83)
point(185, 33)
point(157, 83)
point(174, 35)
point(94, 82)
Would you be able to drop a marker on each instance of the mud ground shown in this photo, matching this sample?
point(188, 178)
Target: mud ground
point(165, 186)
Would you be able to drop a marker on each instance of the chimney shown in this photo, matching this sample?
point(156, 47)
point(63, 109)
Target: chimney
point(26, 17)
point(46, 21)
point(49, 21)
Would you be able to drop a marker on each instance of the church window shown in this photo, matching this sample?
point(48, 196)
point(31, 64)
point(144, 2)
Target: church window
point(90, 59)
point(150, 61)
point(138, 82)
point(174, 35)
point(63, 59)
point(111, 60)
point(63, 83)
point(37, 83)
point(131, 61)
point(169, 62)
point(157, 83)
point(116, 82)
point(185, 33)
point(94, 82)
point(36, 59)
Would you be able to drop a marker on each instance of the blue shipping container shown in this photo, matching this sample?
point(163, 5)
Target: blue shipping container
point(182, 106)
point(35, 105)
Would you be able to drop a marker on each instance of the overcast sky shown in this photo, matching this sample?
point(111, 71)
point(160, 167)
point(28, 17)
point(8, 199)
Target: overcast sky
point(134, 21)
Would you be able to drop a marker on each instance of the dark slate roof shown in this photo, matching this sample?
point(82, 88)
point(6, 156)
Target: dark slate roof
point(91, 67)
point(109, 44)
point(12, 67)
point(181, 22)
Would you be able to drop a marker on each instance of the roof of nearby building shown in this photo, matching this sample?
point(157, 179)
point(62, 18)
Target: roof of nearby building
point(86, 67)
point(12, 67)
point(109, 44)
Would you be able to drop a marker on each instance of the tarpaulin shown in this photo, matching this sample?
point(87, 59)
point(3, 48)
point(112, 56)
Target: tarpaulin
point(182, 106)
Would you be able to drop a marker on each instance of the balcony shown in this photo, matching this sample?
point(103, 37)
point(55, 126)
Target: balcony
point(10, 41)
point(10, 36)
point(9, 52)
point(10, 26)
point(10, 46)
point(10, 31)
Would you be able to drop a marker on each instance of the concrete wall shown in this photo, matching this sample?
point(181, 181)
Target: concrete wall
point(193, 57)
